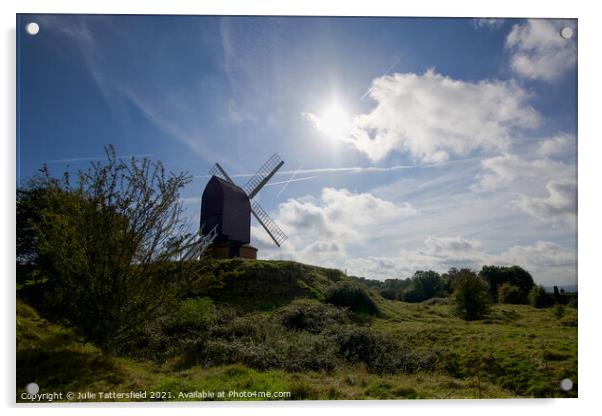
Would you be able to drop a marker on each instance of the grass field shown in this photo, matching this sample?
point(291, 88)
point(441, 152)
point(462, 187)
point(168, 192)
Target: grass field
point(517, 351)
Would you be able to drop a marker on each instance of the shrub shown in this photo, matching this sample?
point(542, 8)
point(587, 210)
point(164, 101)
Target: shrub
point(559, 311)
point(508, 293)
point(264, 345)
point(98, 240)
point(305, 315)
point(471, 296)
point(539, 298)
point(380, 352)
point(424, 285)
point(351, 296)
point(193, 314)
point(496, 276)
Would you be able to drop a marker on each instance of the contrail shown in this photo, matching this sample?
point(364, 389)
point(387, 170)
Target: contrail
point(87, 159)
point(385, 73)
point(306, 178)
point(354, 169)
point(289, 181)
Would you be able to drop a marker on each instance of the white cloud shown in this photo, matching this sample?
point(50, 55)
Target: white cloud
point(324, 252)
point(559, 205)
point(556, 145)
point(548, 262)
point(450, 246)
point(372, 237)
point(433, 117)
point(508, 168)
point(320, 230)
point(538, 50)
point(539, 255)
point(487, 23)
point(339, 214)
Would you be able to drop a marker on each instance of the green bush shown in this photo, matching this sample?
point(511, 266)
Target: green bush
point(311, 316)
point(539, 298)
point(259, 342)
point(380, 352)
point(351, 296)
point(424, 285)
point(96, 239)
point(495, 276)
point(508, 293)
point(191, 323)
point(471, 296)
point(559, 311)
point(194, 314)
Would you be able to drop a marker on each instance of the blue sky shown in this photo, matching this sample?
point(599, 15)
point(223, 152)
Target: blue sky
point(408, 143)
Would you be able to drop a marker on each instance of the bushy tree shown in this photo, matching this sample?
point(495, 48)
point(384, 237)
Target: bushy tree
point(508, 293)
point(351, 296)
point(424, 285)
point(393, 289)
point(560, 296)
point(451, 277)
point(471, 296)
point(514, 275)
point(539, 298)
point(100, 241)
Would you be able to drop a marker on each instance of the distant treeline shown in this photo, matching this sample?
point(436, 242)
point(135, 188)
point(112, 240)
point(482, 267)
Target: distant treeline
point(511, 284)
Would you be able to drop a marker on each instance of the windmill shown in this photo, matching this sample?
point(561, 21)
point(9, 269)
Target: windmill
point(226, 211)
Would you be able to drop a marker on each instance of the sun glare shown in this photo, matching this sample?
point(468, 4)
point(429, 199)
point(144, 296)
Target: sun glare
point(334, 122)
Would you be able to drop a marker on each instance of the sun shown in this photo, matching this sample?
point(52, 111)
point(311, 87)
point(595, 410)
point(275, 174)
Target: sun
point(334, 122)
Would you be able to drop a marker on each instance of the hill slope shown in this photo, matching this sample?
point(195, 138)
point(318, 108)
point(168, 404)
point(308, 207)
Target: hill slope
point(264, 325)
point(265, 284)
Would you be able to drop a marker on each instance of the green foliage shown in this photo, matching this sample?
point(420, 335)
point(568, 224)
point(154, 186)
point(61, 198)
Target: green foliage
point(393, 289)
point(380, 352)
point(194, 314)
point(99, 244)
point(496, 276)
point(250, 285)
point(520, 357)
point(314, 317)
point(559, 311)
point(353, 297)
point(539, 298)
point(508, 293)
point(260, 343)
point(471, 296)
point(424, 285)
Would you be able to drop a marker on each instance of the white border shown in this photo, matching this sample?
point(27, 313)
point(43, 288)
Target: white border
point(589, 192)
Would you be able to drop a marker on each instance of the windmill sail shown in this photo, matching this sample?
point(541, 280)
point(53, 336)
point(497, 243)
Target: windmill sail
point(218, 171)
point(268, 224)
point(196, 248)
point(263, 175)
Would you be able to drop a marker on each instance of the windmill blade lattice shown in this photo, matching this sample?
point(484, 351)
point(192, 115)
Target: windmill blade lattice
point(268, 224)
point(263, 175)
point(218, 171)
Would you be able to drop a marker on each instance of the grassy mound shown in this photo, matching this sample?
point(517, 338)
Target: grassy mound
point(262, 284)
point(285, 326)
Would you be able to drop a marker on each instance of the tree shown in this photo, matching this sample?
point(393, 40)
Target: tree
point(351, 296)
point(508, 293)
point(393, 288)
point(514, 275)
point(471, 296)
point(450, 279)
point(104, 243)
point(424, 285)
point(539, 298)
point(559, 296)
